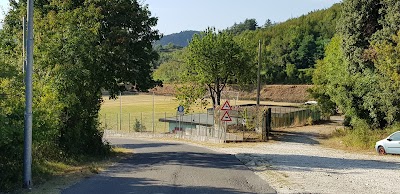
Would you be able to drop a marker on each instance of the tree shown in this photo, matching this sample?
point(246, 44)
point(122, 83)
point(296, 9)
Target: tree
point(331, 80)
point(86, 47)
point(171, 67)
point(292, 73)
point(213, 60)
point(81, 48)
point(360, 75)
point(248, 24)
point(299, 41)
point(125, 45)
point(268, 23)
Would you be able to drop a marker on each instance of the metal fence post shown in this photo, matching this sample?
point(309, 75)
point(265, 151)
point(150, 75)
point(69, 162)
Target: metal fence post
point(129, 124)
point(141, 122)
point(153, 115)
point(191, 125)
point(120, 110)
point(105, 121)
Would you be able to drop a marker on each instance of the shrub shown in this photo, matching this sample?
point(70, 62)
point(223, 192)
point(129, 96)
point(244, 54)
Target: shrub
point(138, 127)
point(361, 136)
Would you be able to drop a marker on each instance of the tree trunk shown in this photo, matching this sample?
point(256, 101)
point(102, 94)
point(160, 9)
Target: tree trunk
point(212, 95)
point(217, 91)
point(219, 97)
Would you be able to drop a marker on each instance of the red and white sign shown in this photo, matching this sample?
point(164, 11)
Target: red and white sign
point(226, 106)
point(226, 117)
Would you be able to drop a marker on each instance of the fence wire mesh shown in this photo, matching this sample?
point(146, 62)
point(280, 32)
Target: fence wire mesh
point(247, 122)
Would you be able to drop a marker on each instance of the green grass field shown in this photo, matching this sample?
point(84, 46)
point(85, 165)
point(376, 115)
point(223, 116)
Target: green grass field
point(140, 108)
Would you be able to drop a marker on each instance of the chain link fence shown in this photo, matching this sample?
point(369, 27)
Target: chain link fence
point(247, 123)
point(237, 122)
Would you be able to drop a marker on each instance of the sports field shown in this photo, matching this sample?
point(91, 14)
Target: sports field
point(143, 111)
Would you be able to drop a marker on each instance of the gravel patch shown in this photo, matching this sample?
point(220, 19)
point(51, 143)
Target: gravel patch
point(294, 162)
point(292, 167)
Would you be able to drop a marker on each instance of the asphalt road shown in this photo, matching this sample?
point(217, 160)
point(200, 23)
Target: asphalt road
point(162, 167)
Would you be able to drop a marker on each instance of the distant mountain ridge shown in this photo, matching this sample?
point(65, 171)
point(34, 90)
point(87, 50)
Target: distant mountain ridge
point(179, 39)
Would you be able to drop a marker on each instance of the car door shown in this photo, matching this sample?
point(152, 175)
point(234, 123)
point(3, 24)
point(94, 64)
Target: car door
point(393, 146)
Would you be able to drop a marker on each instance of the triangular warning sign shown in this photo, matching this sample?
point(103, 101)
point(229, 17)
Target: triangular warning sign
point(226, 117)
point(226, 106)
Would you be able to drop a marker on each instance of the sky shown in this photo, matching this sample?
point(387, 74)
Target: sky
point(3, 9)
point(178, 15)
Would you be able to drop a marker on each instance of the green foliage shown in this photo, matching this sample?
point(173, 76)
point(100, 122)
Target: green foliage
point(80, 48)
point(331, 80)
point(299, 42)
point(291, 72)
point(189, 94)
point(124, 56)
point(138, 127)
point(248, 24)
point(213, 59)
point(359, 73)
point(362, 137)
point(171, 67)
point(367, 27)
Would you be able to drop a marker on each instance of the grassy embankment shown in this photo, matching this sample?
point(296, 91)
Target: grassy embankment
point(357, 139)
point(55, 176)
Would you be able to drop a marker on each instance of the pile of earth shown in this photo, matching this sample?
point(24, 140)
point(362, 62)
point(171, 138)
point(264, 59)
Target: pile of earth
point(276, 93)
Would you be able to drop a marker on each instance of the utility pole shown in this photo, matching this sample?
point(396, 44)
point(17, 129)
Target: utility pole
point(258, 84)
point(120, 111)
point(28, 101)
point(153, 115)
point(258, 74)
point(24, 45)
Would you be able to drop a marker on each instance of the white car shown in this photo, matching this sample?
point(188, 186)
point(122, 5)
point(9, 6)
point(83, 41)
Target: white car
point(311, 102)
point(390, 145)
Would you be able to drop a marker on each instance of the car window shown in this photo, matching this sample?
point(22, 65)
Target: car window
point(395, 137)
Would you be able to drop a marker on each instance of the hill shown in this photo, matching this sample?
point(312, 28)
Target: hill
point(276, 93)
point(179, 39)
point(290, 49)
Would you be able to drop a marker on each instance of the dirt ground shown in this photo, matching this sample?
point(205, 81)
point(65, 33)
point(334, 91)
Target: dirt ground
point(276, 93)
point(311, 135)
point(296, 161)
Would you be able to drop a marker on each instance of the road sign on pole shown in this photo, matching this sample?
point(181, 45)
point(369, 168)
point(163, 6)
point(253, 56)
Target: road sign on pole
point(226, 117)
point(181, 110)
point(226, 106)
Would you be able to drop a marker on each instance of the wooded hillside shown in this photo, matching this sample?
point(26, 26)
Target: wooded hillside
point(180, 39)
point(289, 49)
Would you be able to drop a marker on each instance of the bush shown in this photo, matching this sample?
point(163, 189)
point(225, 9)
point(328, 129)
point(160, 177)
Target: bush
point(363, 137)
point(138, 127)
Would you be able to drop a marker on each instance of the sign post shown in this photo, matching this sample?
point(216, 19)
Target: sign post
point(181, 112)
point(226, 107)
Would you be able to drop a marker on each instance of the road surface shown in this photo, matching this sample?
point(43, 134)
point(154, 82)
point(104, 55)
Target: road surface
point(162, 167)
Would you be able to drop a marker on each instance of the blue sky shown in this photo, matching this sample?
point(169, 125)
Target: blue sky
point(3, 9)
point(178, 15)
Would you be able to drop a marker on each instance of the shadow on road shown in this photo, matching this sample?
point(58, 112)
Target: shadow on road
point(143, 161)
point(295, 137)
point(146, 145)
point(140, 185)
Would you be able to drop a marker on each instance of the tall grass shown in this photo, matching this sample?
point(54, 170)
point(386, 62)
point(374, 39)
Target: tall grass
point(361, 137)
